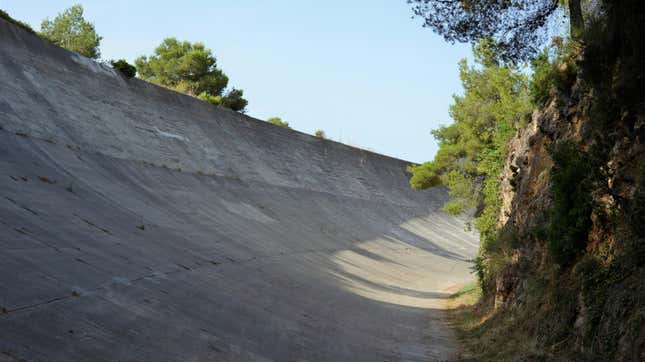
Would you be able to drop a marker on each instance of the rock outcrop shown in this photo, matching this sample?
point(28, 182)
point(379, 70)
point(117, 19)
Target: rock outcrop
point(592, 307)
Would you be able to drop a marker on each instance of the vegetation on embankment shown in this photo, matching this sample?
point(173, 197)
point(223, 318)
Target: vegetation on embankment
point(190, 68)
point(70, 30)
point(473, 149)
point(185, 67)
point(560, 204)
point(482, 334)
point(4, 15)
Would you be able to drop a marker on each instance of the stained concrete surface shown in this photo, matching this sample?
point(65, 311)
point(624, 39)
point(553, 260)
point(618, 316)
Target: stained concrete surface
point(138, 224)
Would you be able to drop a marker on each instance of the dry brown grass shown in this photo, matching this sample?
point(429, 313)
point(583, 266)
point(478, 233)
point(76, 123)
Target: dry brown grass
point(485, 336)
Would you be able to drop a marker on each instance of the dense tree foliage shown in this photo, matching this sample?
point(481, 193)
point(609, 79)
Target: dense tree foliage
point(190, 68)
point(554, 70)
point(71, 31)
point(518, 27)
point(472, 150)
point(569, 218)
point(278, 122)
point(124, 67)
point(234, 99)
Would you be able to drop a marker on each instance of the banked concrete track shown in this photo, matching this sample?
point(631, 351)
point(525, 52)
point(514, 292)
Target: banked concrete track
point(138, 224)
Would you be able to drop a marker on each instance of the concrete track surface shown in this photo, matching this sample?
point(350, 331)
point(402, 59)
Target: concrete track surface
point(138, 224)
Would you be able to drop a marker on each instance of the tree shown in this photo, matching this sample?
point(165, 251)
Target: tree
point(278, 122)
point(71, 31)
point(320, 134)
point(472, 150)
point(234, 100)
point(518, 27)
point(190, 68)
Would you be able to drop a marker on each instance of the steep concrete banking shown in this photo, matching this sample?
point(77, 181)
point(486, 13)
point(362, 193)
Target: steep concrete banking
point(49, 92)
point(141, 224)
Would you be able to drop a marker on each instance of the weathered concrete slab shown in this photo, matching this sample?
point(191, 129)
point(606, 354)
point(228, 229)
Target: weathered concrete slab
point(143, 225)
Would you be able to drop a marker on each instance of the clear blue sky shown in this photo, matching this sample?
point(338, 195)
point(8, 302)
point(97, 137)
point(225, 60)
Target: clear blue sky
point(361, 70)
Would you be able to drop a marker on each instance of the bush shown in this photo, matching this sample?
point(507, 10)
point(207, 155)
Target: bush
point(570, 216)
point(124, 67)
point(554, 69)
point(543, 78)
point(234, 100)
point(5, 16)
point(278, 122)
point(320, 134)
point(209, 98)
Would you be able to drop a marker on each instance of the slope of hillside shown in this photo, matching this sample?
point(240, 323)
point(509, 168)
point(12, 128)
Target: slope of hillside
point(567, 276)
point(141, 224)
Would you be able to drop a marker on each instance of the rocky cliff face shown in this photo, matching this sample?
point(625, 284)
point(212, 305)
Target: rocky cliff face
point(593, 306)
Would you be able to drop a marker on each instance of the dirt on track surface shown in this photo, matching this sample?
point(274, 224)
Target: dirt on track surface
point(138, 224)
